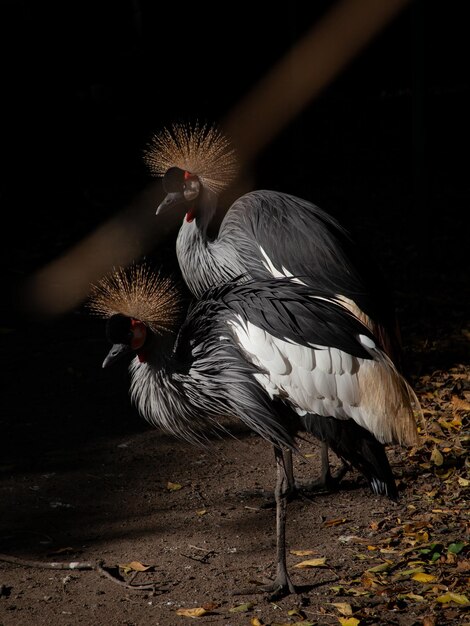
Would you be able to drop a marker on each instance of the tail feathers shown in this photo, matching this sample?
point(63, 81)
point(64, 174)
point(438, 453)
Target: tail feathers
point(388, 402)
point(358, 447)
point(381, 488)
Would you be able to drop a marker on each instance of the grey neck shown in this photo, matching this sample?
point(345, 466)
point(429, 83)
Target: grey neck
point(204, 263)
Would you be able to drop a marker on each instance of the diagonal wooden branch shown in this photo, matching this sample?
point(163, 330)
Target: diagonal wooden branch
point(78, 565)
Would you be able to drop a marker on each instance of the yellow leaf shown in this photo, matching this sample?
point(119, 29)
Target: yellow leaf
point(422, 536)
point(241, 608)
point(334, 522)
point(343, 607)
point(368, 580)
point(446, 424)
point(312, 563)
point(407, 573)
point(410, 596)
point(453, 597)
point(372, 548)
point(382, 567)
point(421, 577)
point(436, 457)
point(197, 612)
point(134, 566)
point(445, 474)
point(302, 552)
point(348, 621)
point(173, 486)
point(255, 622)
point(463, 482)
point(459, 404)
point(201, 512)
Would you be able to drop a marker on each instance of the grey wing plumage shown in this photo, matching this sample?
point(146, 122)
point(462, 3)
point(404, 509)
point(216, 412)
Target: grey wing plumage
point(292, 311)
point(286, 235)
point(222, 381)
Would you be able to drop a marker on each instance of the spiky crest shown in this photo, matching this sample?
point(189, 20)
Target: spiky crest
point(199, 149)
point(140, 293)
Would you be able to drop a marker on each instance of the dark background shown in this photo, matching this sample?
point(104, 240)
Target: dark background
point(85, 84)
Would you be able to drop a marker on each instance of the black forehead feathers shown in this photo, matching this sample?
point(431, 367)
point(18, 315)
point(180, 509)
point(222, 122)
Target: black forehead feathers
point(173, 180)
point(118, 328)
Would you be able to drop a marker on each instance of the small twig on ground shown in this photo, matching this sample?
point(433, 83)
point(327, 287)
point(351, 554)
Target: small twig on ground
point(78, 565)
point(148, 587)
point(202, 559)
point(47, 565)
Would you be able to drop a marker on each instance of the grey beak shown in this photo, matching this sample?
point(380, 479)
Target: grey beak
point(117, 350)
point(170, 200)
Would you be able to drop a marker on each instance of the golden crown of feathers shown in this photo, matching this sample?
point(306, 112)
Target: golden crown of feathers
point(140, 293)
point(202, 150)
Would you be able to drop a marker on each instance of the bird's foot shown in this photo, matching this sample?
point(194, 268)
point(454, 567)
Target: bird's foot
point(281, 587)
point(326, 483)
point(267, 496)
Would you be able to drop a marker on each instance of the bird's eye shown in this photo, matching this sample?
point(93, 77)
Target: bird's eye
point(191, 188)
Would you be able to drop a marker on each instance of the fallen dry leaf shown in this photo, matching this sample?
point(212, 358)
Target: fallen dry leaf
point(343, 607)
point(173, 486)
point(381, 567)
point(197, 612)
point(454, 597)
point(411, 596)
point(348, 621)
point(134, 566)
point(421, 577)
point(436, 457)
point(459, 404)
point(335, 522)
point(241, 608)
point(320, 562)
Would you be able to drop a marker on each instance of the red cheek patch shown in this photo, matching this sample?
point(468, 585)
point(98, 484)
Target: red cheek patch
point(139, 334)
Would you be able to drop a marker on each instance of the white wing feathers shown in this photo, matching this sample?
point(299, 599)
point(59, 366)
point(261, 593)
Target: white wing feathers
point(329, 382)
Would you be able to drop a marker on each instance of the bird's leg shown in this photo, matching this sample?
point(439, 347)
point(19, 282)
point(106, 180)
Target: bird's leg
point(282, 584)
point(289, 467)
point(291, 484)
point(297, 487)
point(327, 481)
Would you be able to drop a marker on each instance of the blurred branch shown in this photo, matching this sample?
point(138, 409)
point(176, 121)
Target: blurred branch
point(305, 71)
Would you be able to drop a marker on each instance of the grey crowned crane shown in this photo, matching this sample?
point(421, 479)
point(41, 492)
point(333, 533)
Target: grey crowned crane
point(275, 354)
point(264, 234)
